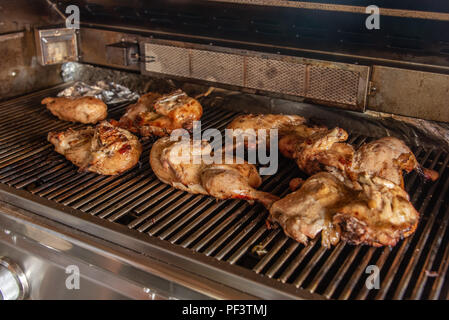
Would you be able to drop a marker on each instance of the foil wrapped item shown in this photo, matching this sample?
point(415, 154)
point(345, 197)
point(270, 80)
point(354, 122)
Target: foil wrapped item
point(108, 92)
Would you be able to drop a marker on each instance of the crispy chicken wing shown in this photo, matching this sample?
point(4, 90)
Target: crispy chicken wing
point(84, 109)
point(179, 163)
point(155, 115)
point(105, 149)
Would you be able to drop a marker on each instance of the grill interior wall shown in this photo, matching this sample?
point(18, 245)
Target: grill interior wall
point(229, 230)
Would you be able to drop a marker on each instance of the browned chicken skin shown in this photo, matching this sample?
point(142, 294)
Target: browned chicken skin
point(308, 211)
point(155, 115)
point(145, 104)
point(283, 123)
point(236, 181)
point(223, 181)
point(105, 149)
point(380, 214)
point(312, 147)
point(322, 149)
point(325, 149)
point(387, 158)
point(84, 109)
point(371, 211)
point(358, 198)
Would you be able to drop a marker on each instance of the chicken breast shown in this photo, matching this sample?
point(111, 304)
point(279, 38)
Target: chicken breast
point(105, 149)
point(84, 109)
point(145, 104)
point(156, 115)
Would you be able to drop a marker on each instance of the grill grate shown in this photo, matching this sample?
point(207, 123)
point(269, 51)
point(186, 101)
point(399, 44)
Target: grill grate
point(230, 230)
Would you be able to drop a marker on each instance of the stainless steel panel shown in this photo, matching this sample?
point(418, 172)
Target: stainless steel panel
point(56, 46)
point(408, 92)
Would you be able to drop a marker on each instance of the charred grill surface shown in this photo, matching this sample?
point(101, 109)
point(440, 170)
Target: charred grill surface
point(232, 230)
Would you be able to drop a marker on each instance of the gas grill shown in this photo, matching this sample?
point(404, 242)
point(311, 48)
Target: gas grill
point(132, 236)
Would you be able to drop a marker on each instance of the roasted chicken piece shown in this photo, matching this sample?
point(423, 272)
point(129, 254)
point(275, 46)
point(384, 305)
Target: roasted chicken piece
point(180, 164)
point(236, 181)
point(155, 115)
point(380, 214)
point(371, 211)
point(145, 104)
point(325, 149)
point(105, 149)
point(308, 211)
point(172, 167)
point(314, 149)
point(387, 158)
point(84, 109)
point(248, 122)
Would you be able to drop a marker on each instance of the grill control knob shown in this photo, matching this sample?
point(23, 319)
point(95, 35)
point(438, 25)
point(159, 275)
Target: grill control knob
point(13, 282)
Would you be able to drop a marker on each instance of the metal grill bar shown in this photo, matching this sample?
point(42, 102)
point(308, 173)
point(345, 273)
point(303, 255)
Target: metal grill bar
point(406, 243)
point(232, 231)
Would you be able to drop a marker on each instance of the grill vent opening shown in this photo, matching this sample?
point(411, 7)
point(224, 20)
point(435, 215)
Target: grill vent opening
point(329, 83)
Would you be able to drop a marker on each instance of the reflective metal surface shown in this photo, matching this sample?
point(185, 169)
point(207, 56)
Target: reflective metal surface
point(408, 92)
point(13, 281)
point(56, 46)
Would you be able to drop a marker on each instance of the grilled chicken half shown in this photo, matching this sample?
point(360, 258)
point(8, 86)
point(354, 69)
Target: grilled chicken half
point(314, 149)
point(380, 214)
point(155, 115)
point(180, 164)
point(387, 158)
point(371, 211)
point(84, 109)
point(305, 213)
point(325, 150)
point(248, 122)
point(145, 104)
point(105, 149)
